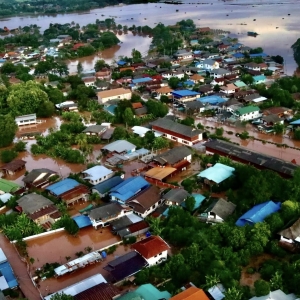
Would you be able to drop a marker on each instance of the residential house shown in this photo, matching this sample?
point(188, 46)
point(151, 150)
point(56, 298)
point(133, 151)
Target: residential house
point(208, 64)
point(196, 78)
point(175, 197)
point(185, 95)
point(69, 191)
point(146, 202)
point(120, 146)
point(97, 174)
point(258, 213)
point(153, 249)
point(252, 66)
point(158, 174)
point(89, 81)
point(177, 132)
point(119, 93)
point(103, 215)
point(254, 97)
point(281, 112)
point(145, 292)
point(139, 109)
point(164, 91)
point(8, 279)
point(5, 197)
point(103, 74)
point(240, 84)
point(259, 79)
point(216, 174)
point(141, 81)
point(95, 130)
point(128, 189)
point(195, 107)
point(124, 222)
point(206, 89)
point(26, 120)
point(125, 266)
point(229, 89)
point(291, 234)
point(191, 293)
point(103, 188)
point(141, 131)
point(12, 167)
point(218, 81)
point(248, 113)
point(276, 295)
point(67, 106)
point(39, 209)
point(219, 73)
point(39, 178)
point(134, 229)
point(179, 74)
point(219, 211)
point(184, 55)
point(271, 120)
point(7, 186)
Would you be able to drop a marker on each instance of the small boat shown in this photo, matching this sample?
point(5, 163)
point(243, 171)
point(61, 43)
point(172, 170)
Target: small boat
point(251, 33)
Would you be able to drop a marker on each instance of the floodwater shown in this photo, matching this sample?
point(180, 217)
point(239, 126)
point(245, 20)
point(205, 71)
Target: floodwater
point(261, 16)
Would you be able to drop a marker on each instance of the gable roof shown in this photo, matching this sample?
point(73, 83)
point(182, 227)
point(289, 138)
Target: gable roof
point(119, 146)
point(97, 172)
point(176, 195)
point(95, 129)
point(62, 186)
point(107, 185)
point(159, 173)
point(113, 93)
point(151, 246)
point(168, 124)
point(293, 232)
point(14, 165)
point(247, 109)
point(258, 213)
point(218, 173)
point(106, 211)
point(129, 187)
point(7, 186)
point(192, 293)
point(33, 202)
point(173, 155)
point(36, 173)
point(276, 295)
point(221, 208)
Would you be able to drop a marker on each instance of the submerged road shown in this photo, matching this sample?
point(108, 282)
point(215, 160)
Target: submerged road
point(20, 269)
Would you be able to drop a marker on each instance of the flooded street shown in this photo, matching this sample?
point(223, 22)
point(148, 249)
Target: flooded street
point(260, 16)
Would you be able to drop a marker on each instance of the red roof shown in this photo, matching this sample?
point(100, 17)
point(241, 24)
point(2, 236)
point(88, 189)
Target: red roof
point(137, 105)
point(150, 246)
point(76, 46)
point(102, 291)
point(157, 77)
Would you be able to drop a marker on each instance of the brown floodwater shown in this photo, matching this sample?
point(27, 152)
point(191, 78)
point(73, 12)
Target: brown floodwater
point(269, 18)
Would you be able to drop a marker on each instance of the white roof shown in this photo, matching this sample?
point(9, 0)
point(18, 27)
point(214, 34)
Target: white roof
point(64, 103)
point(119, 146)
point(3, 257)
point(134, 218)
point(97, 172)
point(5, 197)
point(3, 283)
point(276, 295)
point(141, 131)
point(259, 99)
point(216, 293)
point(80, 286)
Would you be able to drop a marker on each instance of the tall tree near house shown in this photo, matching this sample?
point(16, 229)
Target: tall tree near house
point(190, 203)
point(296, 49)
point(79, 68)
point(61, 296)
point(8, 129)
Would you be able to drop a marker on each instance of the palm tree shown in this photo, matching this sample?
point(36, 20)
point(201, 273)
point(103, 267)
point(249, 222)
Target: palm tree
point(233, 294)
point(211, 281)
point(155, 224)
point(276, 281)
point(81, 140)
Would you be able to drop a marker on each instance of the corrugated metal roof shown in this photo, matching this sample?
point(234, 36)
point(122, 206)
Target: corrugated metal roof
point(62, 186)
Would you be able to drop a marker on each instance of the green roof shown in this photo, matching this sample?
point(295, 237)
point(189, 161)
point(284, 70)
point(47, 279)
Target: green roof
point(240, 84)
point(8, 186)
point(247, 109)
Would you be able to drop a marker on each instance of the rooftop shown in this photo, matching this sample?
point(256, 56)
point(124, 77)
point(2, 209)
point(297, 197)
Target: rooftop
point(7, 186)
point(159, 173)
point(37, 174)
point(106, 211)
point(184, 93)
point(218, 173)
point(14, 165)
point(97, 172)
point(95, 129)
point(62, 186)
point(107, 185)
point(119, 146)
point(221, 208)
point(192, 293)
point(176, 195)
point(33, 202)
point(113, 93)
point(173, 155)
point(293, 232)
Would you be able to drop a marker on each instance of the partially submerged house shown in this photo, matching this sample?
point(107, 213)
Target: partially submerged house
point(12, 167)
point(97, 174)
point(219, 210)
point(191, 293)
point(8, 279)
point(38, 178)
point(26, 120)
point(276, 295)
point(291, 234)
point(95, 130)
point(120, 146)
point(7, 186)
point(103, 188)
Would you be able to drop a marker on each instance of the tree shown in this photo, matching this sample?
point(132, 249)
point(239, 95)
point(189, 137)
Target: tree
point(297, 134)
point(160, 143)
point(217, 88)
point(8, 129)
point(211, 281)
point(261, 287)
point(120, 133)
point(276, 282)
point(247, 78)
point(136, 56)
point(128, 117)
point(61, 296)
point(99, 65)
point(233, 294)
point(79, 68)
point(8, 155)
point(278, 59)
point(296, 49)
point(173, 82)
point(55, 95)
point(190, 203)
point(149, 137)
point(219, 131)
point(278, 128)
point(157, 109)
point(189, 121)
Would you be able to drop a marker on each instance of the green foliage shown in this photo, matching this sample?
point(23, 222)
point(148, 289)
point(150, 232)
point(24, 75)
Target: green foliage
point(120, 133)
point(68, 223)
point(157, 109)
point(8, 129)
point(278, 128)
point(189, 184)
point(278, 59)
point(173, 82)
point(296, 49)
point(20, 146)
point(190, 203)
point(130, 240)
point(219, 131)
point(111, 249)
point(261, 287)
point(189, 121)
point(8, 155)
point(297, 134)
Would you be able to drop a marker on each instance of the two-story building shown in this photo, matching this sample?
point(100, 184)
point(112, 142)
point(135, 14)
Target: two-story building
point(119, 93)
point(97, 174)
point(175, 197)
point(247, 113)
point(185, 95)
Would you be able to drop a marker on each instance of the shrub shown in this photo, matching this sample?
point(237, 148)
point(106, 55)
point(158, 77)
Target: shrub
point(111, 249)
point(8, 155)
point(261, 287)
point(129, 240)
point(250, 271)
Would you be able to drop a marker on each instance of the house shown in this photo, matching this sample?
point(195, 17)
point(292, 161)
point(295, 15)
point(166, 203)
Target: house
point(191, 293)
point(291, 234)
point(26, 120)
point(212, 100)
point(8, 279)
point(177, 132)
point(139, 109)
point(219, 210)
point(158, 174)
point(276, 295)
point(89, 81)
point(125, 266)
point(206, 89)
point(39, 178)
point(95, 130)
point(271, 120)
point(208, 64)
point(134, 229)
point(146, 292)
point(164, 91)
point(196, 78)
point(185, 95)
point(38, 208)
point(103, 74)
point(104, 214)
point(141, 81)
point(120, 146)
point(216, 174)
point(12, 167)
point(218, 81)
point(228, 89)
point(146, 201)
point(219, 73)
point(254, 97)
point(128, 189)
point(279, 111)
point(184, 55)
point(240, 84)
point(153, 249)
point(97, 174)
point(195, 107)
point(7, 186)
point(247, 113)
point(175, 197)
point(5, 197)
point(177, 157)
point(259, 79)
point(258, 213)
point(124, 222)
point(252, 66)
point(119, 93)
point(103, 188)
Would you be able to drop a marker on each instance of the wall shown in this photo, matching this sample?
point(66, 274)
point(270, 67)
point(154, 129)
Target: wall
point(155, 260)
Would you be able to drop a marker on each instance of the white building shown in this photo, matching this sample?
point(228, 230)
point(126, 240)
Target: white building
point(248, 113)
point(208, 64)
point(154, 249)
point(114, 94)
point(26, 120)
point(97, 174)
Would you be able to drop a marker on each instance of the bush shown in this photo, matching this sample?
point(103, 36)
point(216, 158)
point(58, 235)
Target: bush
point(20, 146)
point(261, 287)
point(129, 240)
point(8, 155)
point(111, 249)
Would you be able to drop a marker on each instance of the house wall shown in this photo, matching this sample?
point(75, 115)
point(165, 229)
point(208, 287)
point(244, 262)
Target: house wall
point(212, 216)
point(250, 116)
point(157, 259)
point(76, 199)
point(94, 182)
point(150, 210)
point(25, 121)
point(283, 239)
point(90, 83)
point(126, 96)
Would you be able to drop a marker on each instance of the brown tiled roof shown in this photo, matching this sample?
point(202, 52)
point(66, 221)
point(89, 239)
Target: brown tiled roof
point(150, 246)
point(192, 293)
point(14, 165)
point(43, 212)
point(102, 291)
point(137, 105)
point(76, 191)
point(138, 226)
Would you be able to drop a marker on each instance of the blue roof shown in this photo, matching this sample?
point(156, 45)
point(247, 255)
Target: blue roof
point(238, 55)
point(184, 93)
point(259, 77)
point(140, 80)
point(218, 173)
point(258, 213)
point(197, 51)
point(189, 82)
point(107, 185)
point(63, 186)
point(296, 122)
point(129, 187)
point(121, 62)
point(198, 200)
point(8, 274)
point(82, 221)
point(213, 100)
point(2, 60)
point(258, 55)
